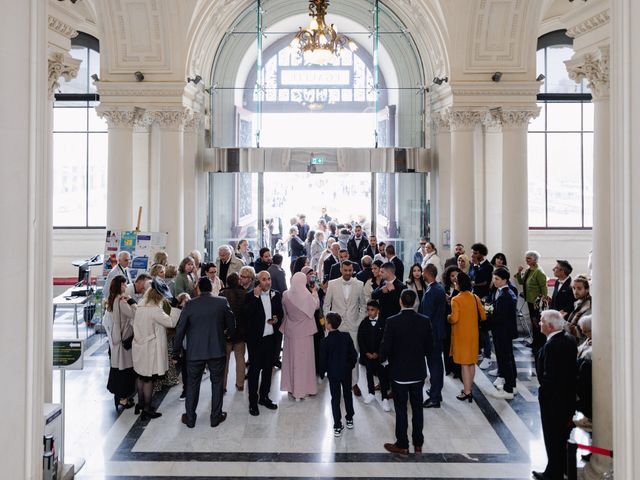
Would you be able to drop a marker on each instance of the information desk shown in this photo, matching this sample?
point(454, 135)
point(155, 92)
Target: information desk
point(66, 300)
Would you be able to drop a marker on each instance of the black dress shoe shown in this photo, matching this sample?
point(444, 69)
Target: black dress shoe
point(429, 403)
point(149, 415)
point(540, 476)
point(254, 411)
point(278, 364)
point(268, 404)
point(221, 418)
point(186, 422)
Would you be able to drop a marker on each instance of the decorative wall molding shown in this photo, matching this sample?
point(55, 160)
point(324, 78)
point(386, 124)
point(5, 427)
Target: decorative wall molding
point(594, 67)
point(589, 24)
point(61, 65)
point(61, 27)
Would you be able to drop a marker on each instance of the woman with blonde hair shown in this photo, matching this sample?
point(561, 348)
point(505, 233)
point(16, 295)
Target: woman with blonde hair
point(157, 270)
point(160, 258)
point(150, 349)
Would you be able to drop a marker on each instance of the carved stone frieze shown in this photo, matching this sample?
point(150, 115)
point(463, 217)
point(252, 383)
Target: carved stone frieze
point(61, 27)
point(590, 24)
point(169, 119)
point(498, 120)
point(61, 65)
point(441, 121)
point(193, 122)
point(595, 68)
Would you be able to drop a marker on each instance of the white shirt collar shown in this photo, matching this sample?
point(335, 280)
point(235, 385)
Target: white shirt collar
point(552, 334)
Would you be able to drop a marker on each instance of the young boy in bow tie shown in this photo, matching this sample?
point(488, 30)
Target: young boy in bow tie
point(370, 333)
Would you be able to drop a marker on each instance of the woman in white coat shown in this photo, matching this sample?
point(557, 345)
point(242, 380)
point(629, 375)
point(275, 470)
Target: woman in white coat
point(150, 355)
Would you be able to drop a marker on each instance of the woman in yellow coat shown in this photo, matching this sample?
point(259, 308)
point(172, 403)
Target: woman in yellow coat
point(466, 309)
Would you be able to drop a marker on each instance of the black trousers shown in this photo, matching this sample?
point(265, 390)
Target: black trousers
point(340, 388)
point(278, 346)
point(412, 393)
point(436, 370)
point(195, 369)
point(555, 430)
point(374, 367)
point(539, 338)
point(261, 360)
point(449, 365)
point(506, 360)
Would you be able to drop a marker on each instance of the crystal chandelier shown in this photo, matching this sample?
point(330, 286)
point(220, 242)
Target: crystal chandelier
point(320, 43)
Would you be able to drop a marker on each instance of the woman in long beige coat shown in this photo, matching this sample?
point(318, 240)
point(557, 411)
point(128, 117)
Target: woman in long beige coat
point(466, 310)
point(122, 378)
point(150, 360)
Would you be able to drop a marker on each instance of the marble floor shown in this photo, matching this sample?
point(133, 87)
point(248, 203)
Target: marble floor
point(489, 438)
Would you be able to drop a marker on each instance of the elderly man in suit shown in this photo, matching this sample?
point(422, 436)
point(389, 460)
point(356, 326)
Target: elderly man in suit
point(331, 260)
point(562, 298)
point(404, 346)
point(345, 296)
point(433, 306)
point(264, 315)
point(557, 373)
point(206, 321)
point(227, 263)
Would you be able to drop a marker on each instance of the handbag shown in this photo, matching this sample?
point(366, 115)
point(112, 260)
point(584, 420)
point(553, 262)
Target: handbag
point(127, 343)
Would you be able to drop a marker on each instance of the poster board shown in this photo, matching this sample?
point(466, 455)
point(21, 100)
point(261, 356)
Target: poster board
point(141, 245)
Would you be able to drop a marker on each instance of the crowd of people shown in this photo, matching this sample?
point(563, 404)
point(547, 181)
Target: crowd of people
point(349, 310)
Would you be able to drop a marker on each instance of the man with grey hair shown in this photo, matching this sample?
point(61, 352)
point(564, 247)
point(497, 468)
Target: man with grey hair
point(247, 277)
point(227, 263)
point(122, 268)
point(557, 373)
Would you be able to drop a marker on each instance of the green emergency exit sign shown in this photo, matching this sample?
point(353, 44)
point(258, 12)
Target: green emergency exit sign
point(317, 160)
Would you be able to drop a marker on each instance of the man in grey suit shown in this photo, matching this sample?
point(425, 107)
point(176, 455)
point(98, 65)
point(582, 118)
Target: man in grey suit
point(278, 277)
point(207, 321)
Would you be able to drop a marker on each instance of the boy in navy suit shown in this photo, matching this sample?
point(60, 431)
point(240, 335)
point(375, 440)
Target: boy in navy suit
point(370, 333)
point(338, 356)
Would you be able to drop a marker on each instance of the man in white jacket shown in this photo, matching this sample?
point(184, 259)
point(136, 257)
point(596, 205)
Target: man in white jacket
point(345, 296)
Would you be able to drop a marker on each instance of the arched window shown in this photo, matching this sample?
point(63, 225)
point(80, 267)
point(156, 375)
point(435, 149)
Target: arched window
point(79, 145)
point(560, 143)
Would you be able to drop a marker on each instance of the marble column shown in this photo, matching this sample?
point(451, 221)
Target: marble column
point(463, 223)
point(493, 154)
point(120, 166)
point(25, 196)
point(141, 171)
point(169, 149)
point(595, 68)
point(515, 200)
point(625, 234)
point(192, 171)
point(442, 181)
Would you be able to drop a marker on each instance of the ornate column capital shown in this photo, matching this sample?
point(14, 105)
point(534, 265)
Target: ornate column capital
point(593, 66)
point(193, 122)
point(461, 120)
point(498, 120)
point(118, 118)
point(441, 121)
point(61, 65)
point(169, 119)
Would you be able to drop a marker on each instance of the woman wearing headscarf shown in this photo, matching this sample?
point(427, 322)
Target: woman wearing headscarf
point(298, 328)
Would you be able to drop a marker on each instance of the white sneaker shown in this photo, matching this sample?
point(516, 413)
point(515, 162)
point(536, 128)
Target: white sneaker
point(499, 382)
point(493, 373)
point(368, 398)
point(501, 394)
point(386, 406)
point(486, 363)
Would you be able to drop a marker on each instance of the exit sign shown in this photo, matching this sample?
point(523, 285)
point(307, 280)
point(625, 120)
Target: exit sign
point(317, 160)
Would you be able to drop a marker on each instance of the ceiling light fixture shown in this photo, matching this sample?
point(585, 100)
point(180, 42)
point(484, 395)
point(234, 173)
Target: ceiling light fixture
point(320, 44)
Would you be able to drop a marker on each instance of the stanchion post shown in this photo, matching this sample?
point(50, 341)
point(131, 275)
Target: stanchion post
point(572, 464)
point(62, 390)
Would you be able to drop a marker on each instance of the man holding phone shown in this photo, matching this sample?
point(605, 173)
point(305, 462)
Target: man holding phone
point(264, 316)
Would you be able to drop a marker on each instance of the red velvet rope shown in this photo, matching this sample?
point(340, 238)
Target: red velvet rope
point(597, 450)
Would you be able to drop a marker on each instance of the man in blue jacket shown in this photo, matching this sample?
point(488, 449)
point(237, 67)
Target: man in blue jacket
point(434, 306)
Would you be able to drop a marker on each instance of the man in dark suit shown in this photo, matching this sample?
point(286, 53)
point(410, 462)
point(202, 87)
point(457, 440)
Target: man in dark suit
point(388, 293)
point(562, 298)
point(503, 322)
point(264, 260)
point(557, 373)
point(264, 316)
point(481, 272)
point(207, 321)
point(372, 248)
point(303, 227)
point(390, 252)
point(404, 346)
point(458, 250)
point(366, 273)
point(278, 276)
point(433, 306)
point(343, 256)
point(357, 244)
point(331, 260)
